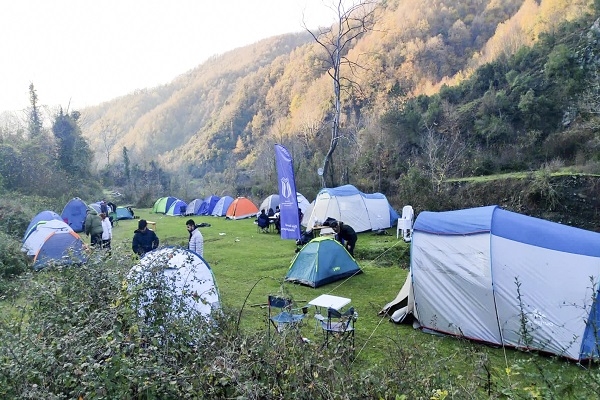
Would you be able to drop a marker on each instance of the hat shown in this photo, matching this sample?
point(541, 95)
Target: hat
point(142, 224)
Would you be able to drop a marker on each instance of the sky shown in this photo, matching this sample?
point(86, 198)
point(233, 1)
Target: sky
point(80, 53)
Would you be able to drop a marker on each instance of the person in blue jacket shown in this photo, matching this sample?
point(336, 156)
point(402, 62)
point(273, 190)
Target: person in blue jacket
point(144, 239)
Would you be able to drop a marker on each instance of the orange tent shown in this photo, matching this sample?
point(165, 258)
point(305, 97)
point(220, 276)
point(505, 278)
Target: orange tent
point(241, 208)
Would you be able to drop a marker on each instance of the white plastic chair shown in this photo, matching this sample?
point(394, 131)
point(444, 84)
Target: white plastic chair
point(405, 224)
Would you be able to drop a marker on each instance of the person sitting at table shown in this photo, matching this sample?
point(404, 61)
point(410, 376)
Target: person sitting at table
point(270, 213)
point(346, 235)
point(263, 221)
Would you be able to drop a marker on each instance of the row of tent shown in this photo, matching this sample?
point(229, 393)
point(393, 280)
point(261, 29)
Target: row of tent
point(346, 203)
point(226, 206)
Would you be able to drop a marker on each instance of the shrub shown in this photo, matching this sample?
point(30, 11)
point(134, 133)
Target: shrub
point(13, 262)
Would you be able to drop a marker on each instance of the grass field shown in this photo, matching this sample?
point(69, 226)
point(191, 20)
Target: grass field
point(248, 266)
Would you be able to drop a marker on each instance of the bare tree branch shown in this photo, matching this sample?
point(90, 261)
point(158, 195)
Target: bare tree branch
point(351, 22)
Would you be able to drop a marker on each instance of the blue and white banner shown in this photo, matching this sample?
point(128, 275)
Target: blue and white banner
point(288, 202)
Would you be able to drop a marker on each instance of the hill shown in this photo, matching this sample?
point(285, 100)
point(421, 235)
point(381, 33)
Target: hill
point(440, 64)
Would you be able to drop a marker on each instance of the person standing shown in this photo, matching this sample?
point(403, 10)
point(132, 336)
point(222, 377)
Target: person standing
point(196, 243)
point(346, 235)
point(92, 227)
point(144, 239)
point(106, 231)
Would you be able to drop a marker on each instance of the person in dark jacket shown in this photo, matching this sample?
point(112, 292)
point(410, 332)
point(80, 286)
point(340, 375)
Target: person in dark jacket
point(263, 221)
point(144, 239)
point(346, 235)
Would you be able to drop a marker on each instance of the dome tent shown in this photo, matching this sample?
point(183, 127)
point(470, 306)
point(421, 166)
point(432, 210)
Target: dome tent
point(163, 204)
point(221, 206)
point(74, 213)
point(241, 208)
point(185, 277)
point(321, 261)
point(40, 217)
point(54, 242)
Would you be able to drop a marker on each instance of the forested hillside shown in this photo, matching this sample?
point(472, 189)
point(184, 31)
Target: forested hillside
point(440, 89)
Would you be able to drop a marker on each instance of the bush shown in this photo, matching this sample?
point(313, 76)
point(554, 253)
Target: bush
point(13, 262)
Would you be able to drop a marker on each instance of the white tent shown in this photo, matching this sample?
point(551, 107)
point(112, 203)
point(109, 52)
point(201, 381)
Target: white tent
point(183, 274)
point(363, 212)
point(504, 278)
point(271, 201)
point(303, 203)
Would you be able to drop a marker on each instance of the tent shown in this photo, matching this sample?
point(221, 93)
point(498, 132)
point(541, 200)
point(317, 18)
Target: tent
point(361, 211)
point(54, 242)
point(95, 206)
point(178, 207)
point(207, 206)
point(271, 201)
point(321, 261)
point(303, 203)
point(163, 204)
point(40, 217)
point(504, 278)
point(241, 208)
point(74, 214)
point(193, 207)
point(123, 213)
point(186, 276)
point(221, 206)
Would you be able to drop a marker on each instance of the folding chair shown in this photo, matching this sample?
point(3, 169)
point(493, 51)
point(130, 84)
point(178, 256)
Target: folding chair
point(339, 325)
point(282, 315)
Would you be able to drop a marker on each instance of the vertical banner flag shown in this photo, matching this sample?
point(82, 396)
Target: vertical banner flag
point(288, 201)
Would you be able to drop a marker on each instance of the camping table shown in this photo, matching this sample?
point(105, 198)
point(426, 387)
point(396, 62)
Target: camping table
point(327, 301)
point(316, 230)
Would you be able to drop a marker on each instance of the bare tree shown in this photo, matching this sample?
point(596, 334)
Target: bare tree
point(442, 151)
point(108, 138)
point(353, 19)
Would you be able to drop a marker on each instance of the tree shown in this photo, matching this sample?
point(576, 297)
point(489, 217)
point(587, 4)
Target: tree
point(352, 21)
point(126, 164)
point(34, 119)
point(108, 138)
point(74, 154)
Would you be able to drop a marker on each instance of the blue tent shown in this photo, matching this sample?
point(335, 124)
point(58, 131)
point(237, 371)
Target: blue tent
point(208, 205)
point(54, 242)
point(493, 276)
point(222, 205)
point(178, 207)
point(321, 261)
point(74, 214)
point(40, 217)
point(193, 207)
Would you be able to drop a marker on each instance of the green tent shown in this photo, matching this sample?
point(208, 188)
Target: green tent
point(162, 205)
point(321, 261)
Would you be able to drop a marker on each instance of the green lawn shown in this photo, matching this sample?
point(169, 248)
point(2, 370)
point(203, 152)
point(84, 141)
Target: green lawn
point(248, 266)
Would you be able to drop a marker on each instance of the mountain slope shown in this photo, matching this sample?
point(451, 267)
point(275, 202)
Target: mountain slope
point(224, 115)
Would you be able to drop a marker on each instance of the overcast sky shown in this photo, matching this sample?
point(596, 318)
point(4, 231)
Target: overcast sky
point(89, 51)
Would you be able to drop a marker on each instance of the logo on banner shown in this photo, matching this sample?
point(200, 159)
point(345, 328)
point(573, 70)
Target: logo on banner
point(286, 188)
